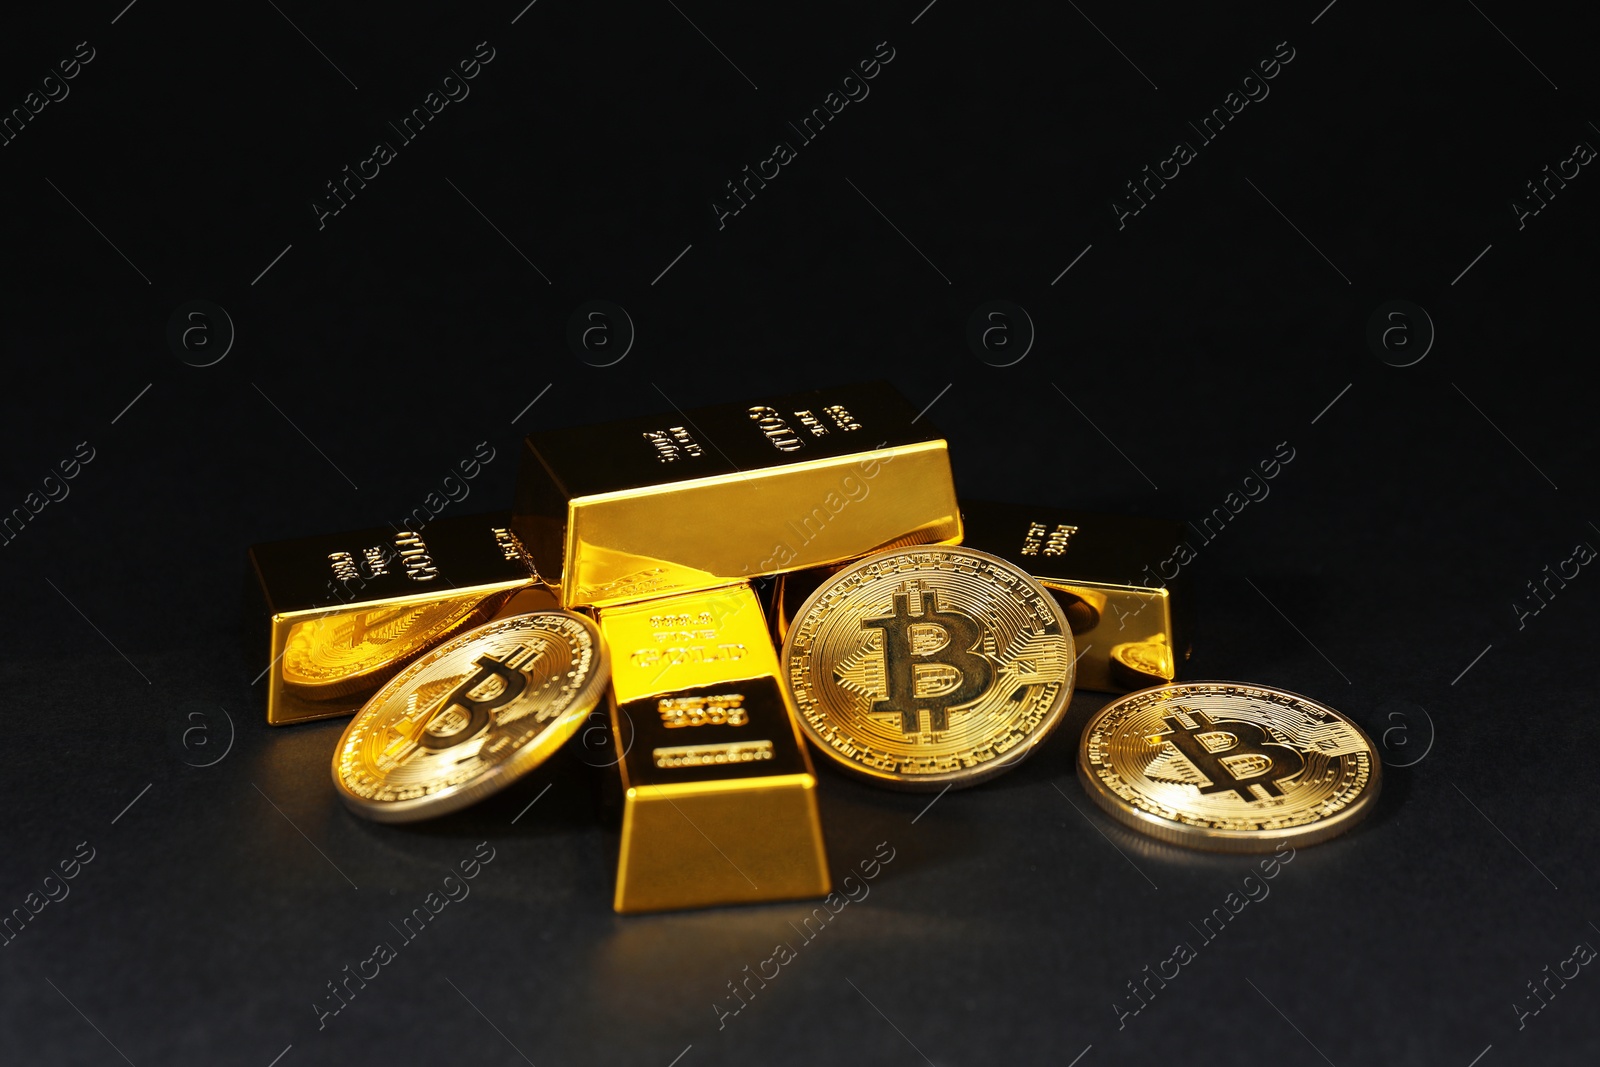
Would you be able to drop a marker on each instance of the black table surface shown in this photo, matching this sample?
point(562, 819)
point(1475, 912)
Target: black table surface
point(1418, 564)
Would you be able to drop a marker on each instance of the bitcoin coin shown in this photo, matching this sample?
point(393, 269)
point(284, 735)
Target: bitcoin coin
point(471, 716)
point(334, 657)
point(1228, 766)
point(924, 668)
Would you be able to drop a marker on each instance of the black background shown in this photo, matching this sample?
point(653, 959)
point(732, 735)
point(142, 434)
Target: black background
point(1176, 353)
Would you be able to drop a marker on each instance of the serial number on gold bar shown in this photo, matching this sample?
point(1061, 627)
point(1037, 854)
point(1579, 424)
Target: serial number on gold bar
point(720, 710)
point(712, 755)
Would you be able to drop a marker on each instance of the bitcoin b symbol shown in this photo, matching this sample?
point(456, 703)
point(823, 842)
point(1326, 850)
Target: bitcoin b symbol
point(1244, 755)
point(929, 661)
point(513, 682)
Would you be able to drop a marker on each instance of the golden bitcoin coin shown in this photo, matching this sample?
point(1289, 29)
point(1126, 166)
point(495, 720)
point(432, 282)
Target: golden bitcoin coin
point(1228, 766)
point(334, 657)
point(923, 668)
point(470, 717)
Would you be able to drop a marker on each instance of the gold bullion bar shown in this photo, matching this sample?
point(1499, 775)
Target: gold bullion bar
point(686, 501)
point(1119, 578)
point(342, 613)
point(1115, 576)
point(718, 794)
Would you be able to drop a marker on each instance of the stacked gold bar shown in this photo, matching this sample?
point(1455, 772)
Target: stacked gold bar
point(342, 613)
point(651, 506)
point(657, 525)
point(719, 795)
point(1114, 575)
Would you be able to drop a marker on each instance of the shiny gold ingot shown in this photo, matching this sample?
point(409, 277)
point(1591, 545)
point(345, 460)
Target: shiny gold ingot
point(470, 717)
point(1138, 664)
point(927, 668)
point(337, 655)
point(718, 795)
point(1118, 577)
point(689, 501)
point(1228, 766)
point(344, 612)
point(538, 597)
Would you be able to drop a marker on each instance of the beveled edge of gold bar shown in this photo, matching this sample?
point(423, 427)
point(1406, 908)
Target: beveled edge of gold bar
point(1098, 565)
point(1156, 592)
point(281, 624)
point(1095, 671)
point(946, 527)
point(803, 888)
point(727, 785)
point(938, 444)
point(462, 591)
point(804, 873)
point(468, 560)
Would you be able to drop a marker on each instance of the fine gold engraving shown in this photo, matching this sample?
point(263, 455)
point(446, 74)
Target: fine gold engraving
point(712, 755)
point(1228, 766)
point(712, 710)
point(929, 667)
point(1041, 538)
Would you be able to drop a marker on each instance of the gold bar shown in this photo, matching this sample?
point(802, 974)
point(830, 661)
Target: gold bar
point(1130, 621)
point(692, 500)
point(344, 612)
point(718, 794)
point(537, 597)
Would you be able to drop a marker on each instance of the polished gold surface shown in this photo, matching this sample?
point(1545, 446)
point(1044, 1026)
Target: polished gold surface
point(339, 614)
point(470, 717)
point(688, 501)
point(1121, 579)
point(538, 597)
point(718, 794)
point(1138, 664)
point(1228, 766)
point(332, 657)
point(929, 667)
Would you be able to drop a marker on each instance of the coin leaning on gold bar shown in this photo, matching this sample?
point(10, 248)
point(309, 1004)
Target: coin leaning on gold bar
point(1228, 767)
point(470, 717)
point(334, 657)
point(925, 668)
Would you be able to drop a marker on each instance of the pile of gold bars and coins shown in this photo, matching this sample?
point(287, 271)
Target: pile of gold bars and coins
point(739, 591)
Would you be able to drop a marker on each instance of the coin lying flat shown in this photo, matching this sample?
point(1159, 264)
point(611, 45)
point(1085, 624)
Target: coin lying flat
point(470, 717)
point(1228, 766)
point(330, 658)
point(923, 668)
